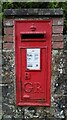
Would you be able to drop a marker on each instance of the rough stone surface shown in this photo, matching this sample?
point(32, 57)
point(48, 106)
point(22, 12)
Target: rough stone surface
point(8, 67)
point(30, 11)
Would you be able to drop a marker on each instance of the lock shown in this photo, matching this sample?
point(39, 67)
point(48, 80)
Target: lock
point(26, 76)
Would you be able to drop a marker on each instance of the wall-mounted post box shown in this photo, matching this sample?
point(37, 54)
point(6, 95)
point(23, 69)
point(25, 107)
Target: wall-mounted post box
point(33, 61)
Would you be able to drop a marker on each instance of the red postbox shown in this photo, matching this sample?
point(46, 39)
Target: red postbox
point(33, 61)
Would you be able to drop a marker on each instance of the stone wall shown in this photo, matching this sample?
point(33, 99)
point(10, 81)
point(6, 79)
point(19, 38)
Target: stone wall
point(57, 110)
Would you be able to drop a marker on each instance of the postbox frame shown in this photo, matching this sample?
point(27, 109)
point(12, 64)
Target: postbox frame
point(18, 82)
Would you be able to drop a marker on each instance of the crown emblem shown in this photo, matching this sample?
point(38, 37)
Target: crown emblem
point(33, 27)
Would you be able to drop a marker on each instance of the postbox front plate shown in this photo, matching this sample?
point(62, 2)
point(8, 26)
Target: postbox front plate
point(33, 60)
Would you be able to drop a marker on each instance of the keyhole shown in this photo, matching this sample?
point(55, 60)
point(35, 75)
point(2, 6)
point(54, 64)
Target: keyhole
point(26, 76)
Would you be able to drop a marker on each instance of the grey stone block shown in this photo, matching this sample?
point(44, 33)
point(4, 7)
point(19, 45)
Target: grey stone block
point(31, 11)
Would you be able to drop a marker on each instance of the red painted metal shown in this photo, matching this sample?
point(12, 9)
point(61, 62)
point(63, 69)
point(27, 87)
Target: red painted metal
point(33, 39)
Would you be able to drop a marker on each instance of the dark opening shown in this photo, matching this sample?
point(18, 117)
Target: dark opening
point(32, 36)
